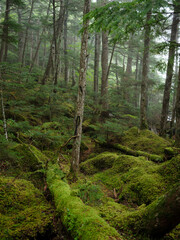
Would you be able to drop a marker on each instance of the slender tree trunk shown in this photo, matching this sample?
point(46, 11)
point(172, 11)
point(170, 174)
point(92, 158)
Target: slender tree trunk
point(26, 33)
point(177, 108)
point(20, 36)
point(66, 62)
point(145, 70)
point(4, 116)
point(104, 65)
point(54, 59)
point(169, 74)
point(117, 75)
point(96, 65)
point(5, 32)
point(136, 91)
point(81, 93)
point(129, 59)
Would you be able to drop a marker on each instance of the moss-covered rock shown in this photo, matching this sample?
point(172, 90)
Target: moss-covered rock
point(101, 162)
point(145, 140)
point(170, 171)
point(24, 212)
point(135, 179)
point(82, 221)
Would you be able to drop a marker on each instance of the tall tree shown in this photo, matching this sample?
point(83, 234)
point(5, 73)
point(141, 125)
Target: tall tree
point(145, 69)
point(81, 93)
point(169, 73)
point(66, 62)
point(5, 32)
point(177, 110)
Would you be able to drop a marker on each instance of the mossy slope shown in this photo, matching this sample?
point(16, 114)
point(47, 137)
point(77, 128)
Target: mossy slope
point(82, 221)
point(144, 140)
point(24, 212)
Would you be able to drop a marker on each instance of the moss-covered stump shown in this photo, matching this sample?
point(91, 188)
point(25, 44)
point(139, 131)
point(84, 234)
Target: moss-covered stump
point(100, 162)
point(82, 221)
point(24, 213)
point(135, 179)
point(144, 140)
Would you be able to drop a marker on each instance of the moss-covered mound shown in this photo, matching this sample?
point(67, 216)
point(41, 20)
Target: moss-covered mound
point(145, 140)
point(82, 221)
point(170, 171)
point(135, 179)
point(24, 213)
point(101, 162)
point(31, 159)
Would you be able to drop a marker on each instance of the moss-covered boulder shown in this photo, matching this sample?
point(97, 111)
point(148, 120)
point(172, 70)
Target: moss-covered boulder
point(24, 212)
point(144, 140)
point(135, 179)
point(82, 221)
point(100, 162)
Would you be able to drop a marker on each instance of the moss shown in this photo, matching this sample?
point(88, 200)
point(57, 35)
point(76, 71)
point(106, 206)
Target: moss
point(24, 212)
point(82, 221)
point(174, 234)
point(135, 179)
point(31, 158)
point(100, 162)
point(145, 140)
point(170, 171)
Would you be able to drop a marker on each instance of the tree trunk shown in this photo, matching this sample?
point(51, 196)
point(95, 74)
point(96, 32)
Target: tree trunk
point(4, 116)
point(26, 33)
point(54, 59)
point(96, 65)
point(104, 78)
point(20, 36)
point(145, 70)
point(129, 59)
point(136, 90)
point(169, 74)
point(81, 93)
point(177, 108)
point(5, 32)
point(66, 62)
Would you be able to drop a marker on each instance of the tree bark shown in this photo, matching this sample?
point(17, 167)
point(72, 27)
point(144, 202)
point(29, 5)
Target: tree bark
point(169, 73)
point(4, 116)
point(81, 93)
point(145, 70)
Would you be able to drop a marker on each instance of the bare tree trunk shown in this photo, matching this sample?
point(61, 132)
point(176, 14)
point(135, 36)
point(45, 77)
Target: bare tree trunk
point(20, 36)
point(177, 108)
point(5, 32)
point(104, 65)
point(145, 70)
point(129, 59)
point(4, 116)
point(96, 65)
point(66, 62)
point(81, 93)
point(169, 74)
point(136, 92)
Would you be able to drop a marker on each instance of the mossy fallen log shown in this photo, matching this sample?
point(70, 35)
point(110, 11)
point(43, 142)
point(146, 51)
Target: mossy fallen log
point(82, 221)
point(129, 151)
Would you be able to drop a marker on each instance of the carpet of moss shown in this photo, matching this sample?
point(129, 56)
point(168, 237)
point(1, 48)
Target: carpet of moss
point(24, 212)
